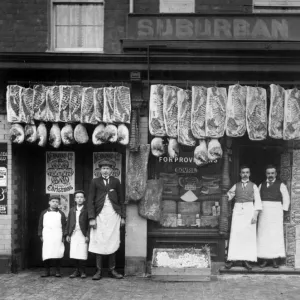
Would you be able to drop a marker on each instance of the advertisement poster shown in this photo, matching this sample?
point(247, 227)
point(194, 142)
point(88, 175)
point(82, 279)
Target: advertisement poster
point(3, 179)
point(114, 156)
point(60, 172)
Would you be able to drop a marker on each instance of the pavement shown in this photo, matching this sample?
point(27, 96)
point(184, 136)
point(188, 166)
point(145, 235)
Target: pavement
point(29, 285)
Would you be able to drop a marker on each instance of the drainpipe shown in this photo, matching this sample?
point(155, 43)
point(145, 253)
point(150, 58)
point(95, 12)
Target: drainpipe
point(131, 6)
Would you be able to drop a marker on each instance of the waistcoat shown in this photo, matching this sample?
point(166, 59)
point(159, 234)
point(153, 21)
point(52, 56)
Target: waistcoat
point(271, 193)
point(246, 194)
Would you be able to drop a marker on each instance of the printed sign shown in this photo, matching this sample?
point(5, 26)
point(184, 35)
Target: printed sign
point(3, 179)
point(60, 172)
point(114, 156)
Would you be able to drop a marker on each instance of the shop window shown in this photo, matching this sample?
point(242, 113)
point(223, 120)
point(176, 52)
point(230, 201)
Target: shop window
point(191, 195)
point(77, 25)
point(177, 6)
point(276, 6)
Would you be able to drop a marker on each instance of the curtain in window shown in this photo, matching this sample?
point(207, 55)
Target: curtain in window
point(177, 6)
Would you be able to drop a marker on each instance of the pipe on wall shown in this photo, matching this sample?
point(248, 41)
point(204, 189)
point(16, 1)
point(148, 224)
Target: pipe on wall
point(131, 6)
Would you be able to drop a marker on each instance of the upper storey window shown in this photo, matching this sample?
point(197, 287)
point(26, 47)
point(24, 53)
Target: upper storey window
point(276, 6)
point(177, 6)
point(77, 26)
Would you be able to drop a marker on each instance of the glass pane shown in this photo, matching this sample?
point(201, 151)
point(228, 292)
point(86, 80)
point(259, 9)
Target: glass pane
point(92, 14)
point(67, 14)
point(67, 37)
point(177, 6)
point(92, 37)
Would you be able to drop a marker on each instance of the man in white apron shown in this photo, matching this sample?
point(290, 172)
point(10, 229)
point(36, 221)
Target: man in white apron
point(106, 212)
point(51, 229)
point(275, 199)
point(242, 243)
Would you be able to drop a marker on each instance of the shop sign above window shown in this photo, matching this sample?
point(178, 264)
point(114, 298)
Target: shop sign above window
point(276, 6)
point(77, 26)
point(177, 6)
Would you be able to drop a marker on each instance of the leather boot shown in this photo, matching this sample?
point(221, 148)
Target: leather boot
point(264, 264)
point(46, 272)
point(112, 264)
point(76, 272)
point(57, 268)
point(229, 265)
point(247, 265)
point(82, 269)
point(97, 275)
point(275, 265)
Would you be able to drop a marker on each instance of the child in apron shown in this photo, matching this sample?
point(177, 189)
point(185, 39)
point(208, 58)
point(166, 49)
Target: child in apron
point(77, 232)
point(51, 228)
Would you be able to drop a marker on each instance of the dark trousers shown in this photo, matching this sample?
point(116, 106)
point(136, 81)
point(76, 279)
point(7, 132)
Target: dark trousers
point(80, 263)
point(52, 263)
point(111, 261)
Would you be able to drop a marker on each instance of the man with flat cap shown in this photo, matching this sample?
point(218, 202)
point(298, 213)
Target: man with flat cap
point(106, 213)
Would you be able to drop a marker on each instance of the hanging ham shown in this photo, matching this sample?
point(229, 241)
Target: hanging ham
point(214, 150)
point(53, 99)
point(98, 104)
point(98, 135)
point(123, 134)
point(87, 106)
point(122, 105)
point(201, 154)
point(291, 128)
point(26, 106)
point(157, 147)
point(256, 113)
point(54, 136)
point(30, 133)
point(64, 103)
point(39, 102)
point(75, 103)
point(67, 135)
point(156, 116)
point(173, 148)
point(236, 111)
point(80, 134)
point(42, 135)
point(199, 99)
point(110, 133)
point(17, 134)
point(170, 110)
point(215, 112)
point(185, 136)
point(13, 99)
point(108, 108)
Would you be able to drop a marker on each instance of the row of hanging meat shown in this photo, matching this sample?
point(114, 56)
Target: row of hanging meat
point(68, 103)
point(67, 135)
point(209, 112)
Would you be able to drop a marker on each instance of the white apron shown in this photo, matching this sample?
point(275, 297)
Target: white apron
point(242, 243)
point(78, 246)
point(270, 237)
point(105, 239)
point(53, 247)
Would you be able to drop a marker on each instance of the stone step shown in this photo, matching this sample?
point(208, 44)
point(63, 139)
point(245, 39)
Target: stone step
point(263, 271)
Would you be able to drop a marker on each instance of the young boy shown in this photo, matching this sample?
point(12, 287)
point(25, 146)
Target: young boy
point(51, 228)
point(77, 232)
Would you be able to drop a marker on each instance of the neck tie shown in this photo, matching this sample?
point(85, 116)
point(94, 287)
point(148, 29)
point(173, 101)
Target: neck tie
point(270, 183)
point(105, 180)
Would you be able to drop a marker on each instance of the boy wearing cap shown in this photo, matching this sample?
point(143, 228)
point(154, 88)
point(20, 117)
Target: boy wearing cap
point(78, 234)
point(106, 212)
point(51, 227)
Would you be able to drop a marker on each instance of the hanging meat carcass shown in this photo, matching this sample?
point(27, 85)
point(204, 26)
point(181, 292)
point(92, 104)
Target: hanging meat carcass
point(123, 134)
point(53, 99)
point(39, 102)
point(134, 136)
point(98, 104)
point(67, 135)
point(80, 134)
point(13, 99)
point(236, 111)
point(291, 115)
point(122, 105)
point(17, 134)
point(276, 114)
point(256, 113)
point(199, 99)
point(64, 103)
point(108, 108)
point(87, 106)
point(214, 150)
point(111, 133)
point(30, 133)
point(185, 136)
point(170, 110)
point(54, 136)
point(98, 135)
point(173, 148)
point(201, 153)
point(75, 103)
point(156, 116)
point(215, 112)
point(26, 106)
point(42, 135)
point(157, 146)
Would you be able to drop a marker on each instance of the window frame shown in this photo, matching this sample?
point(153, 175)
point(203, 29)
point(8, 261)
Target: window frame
point(167, 12)
point(273, 8)
point(52, 34)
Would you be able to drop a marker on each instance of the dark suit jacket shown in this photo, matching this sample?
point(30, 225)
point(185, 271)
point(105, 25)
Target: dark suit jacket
point(97, 194)
point(83, 221)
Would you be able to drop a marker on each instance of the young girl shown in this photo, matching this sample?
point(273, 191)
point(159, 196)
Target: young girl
point(77, 232)
point(51, 228)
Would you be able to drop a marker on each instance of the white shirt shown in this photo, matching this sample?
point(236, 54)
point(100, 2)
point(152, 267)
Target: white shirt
point(257, 199)
point(284, 193)
point(78, 210)
point(106, 181)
